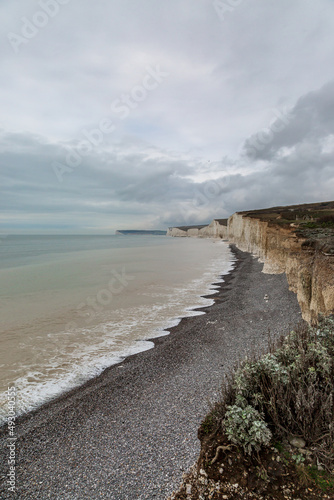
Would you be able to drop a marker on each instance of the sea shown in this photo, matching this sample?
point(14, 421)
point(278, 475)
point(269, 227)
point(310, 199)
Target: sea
point(71, 306)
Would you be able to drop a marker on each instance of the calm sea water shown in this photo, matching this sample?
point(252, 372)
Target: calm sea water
point(70, 306)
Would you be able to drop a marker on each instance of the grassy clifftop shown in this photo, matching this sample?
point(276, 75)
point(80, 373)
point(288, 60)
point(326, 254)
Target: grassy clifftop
point(288, 213)
point(314, 221)
point(297, 240)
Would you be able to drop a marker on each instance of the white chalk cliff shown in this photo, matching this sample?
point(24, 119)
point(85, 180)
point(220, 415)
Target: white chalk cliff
point(309, 271)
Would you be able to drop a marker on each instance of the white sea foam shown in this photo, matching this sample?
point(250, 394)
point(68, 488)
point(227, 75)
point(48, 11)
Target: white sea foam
point(46, 357)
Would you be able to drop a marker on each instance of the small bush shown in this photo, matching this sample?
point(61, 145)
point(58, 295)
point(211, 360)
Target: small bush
point(209, 424)
point(311, 225)
point(327, 219)
point(288, 215)
point(245, 426)
point(289, 391)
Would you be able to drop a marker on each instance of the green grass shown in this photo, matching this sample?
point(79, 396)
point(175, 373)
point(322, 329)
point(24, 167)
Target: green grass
point(313, 225)
point(209, 423)
point(322, 479)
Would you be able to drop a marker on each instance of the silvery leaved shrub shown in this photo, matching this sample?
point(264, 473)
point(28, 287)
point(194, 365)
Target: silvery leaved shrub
point(287, 392)
point(245, 427)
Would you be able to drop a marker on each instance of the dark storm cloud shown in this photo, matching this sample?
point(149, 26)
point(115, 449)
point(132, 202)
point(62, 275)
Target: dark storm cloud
point(308, 123)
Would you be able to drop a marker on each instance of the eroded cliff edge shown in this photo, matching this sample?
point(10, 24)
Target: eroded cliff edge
point(298, 241)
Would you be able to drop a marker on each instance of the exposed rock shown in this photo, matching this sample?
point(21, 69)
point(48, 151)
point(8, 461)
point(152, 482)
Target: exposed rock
point(305, 254)
point(216, 229)
point(309, 271)
point(297, 442)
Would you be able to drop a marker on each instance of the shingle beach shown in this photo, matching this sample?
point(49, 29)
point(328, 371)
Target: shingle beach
point(132, 431)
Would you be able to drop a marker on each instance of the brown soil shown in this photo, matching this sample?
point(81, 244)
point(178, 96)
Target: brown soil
point(271, 474)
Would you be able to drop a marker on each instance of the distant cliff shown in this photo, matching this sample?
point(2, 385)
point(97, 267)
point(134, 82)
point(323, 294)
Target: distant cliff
point(216, 229)
point(297, 240)
point(137, 232)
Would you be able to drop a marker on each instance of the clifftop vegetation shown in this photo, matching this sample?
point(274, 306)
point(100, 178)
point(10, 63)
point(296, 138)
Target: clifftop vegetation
point(314, 222)
point(272, 433)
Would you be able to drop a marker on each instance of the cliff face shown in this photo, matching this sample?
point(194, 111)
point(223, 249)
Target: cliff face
point(297, 240)
point(140, 232)
point(175, 231)
point(310, 272)
point(216, 229)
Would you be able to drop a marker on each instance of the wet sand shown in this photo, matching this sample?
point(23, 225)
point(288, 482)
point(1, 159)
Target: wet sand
point(132, 431)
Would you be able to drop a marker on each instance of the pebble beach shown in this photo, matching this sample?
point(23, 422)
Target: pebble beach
point(131, 432)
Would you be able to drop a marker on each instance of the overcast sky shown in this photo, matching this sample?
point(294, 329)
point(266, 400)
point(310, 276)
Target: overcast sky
point(125, 114)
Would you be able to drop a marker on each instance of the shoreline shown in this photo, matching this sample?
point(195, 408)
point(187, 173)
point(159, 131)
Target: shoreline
point(174, 321)
point(130, 432)
point(105, 323)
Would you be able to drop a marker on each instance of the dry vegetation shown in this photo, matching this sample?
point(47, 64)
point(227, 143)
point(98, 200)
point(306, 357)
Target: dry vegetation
point(312, 222)
point(272, 433)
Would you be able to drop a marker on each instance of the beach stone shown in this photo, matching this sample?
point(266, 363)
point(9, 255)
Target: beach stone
point(173, 380)
point(297, 442)
point(306, 452)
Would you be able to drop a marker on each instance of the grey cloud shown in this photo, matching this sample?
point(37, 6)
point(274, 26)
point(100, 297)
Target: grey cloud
point(308, 122)
point(112, 184)
point(175, 157)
